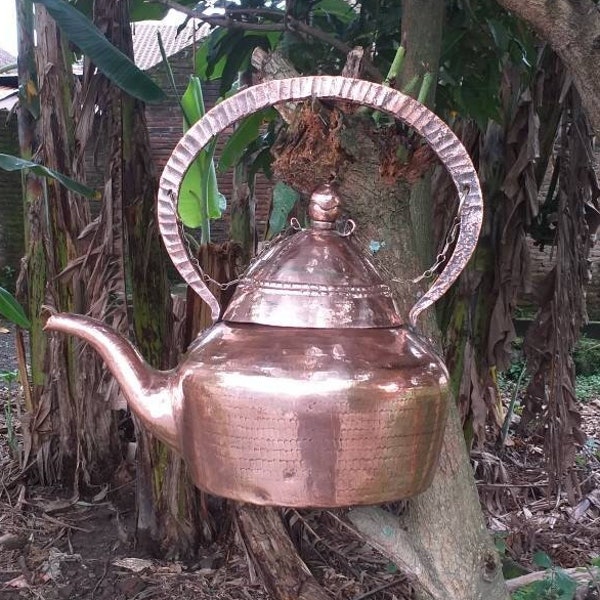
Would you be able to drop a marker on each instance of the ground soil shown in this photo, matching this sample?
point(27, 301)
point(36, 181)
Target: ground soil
point(54, 546)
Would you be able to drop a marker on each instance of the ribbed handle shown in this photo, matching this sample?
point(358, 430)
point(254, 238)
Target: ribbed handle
point(435, 132)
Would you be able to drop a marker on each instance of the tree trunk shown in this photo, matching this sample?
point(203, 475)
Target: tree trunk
point(168, 504)
point(441, 539)
point(442, 534)
point(31, 286)
point(572, 27)
point(61, 218)
point(282, 571)
point(422, 39)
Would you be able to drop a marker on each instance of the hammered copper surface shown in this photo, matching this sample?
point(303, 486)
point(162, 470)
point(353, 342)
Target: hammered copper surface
point(329, 419)
point(290, 417)
point(435, 132)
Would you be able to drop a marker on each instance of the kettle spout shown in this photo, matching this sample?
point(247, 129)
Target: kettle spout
point(152, 395)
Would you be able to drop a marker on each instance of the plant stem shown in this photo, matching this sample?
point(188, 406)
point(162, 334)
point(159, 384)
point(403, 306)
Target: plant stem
point(396, 67)
point(511, 410)
point(425, 87)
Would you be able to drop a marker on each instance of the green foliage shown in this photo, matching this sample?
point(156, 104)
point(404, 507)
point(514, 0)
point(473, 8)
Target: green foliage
point(10, 377)
point(8, 162)
point(542, 560)
point(226, 52)
point(199, 197)
point(109, 59)
point(284, 198)
point(10, 309)
point(8, 278)
point(245, 134)
point(587, 386)
point(587, 357)
point(557, 585)
point(479, 39)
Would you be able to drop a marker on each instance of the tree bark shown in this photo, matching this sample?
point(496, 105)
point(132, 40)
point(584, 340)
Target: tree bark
point(572, 27)
point(31, 286)
point(61, 219)
point(422, 38)
point(441, 540)
point(282, 571)
point(169, 520)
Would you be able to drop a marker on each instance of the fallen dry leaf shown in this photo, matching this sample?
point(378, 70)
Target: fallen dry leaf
point(137, 565)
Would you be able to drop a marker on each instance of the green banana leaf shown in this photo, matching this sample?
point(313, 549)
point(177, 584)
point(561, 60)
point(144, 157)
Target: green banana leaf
point(8, 162)
point(246, 132)
point(109, 59)
point(10, 309)
point(284, 198)
point(199, 197)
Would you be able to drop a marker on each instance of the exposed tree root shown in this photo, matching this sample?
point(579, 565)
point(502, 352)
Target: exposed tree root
point(274, 557)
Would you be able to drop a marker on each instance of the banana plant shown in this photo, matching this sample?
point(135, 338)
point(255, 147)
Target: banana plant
point(199, 198)
point(117, 67)
point(8, 162)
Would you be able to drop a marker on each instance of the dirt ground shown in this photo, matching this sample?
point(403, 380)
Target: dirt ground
point(56, 547)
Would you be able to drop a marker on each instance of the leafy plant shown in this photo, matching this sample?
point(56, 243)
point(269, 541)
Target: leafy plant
point(557, 585)
point(9, 377)
point(587, 357)
point(199, 197)
point(8, 277)
point(109, 59)
point(284, 198)
point(10, 309)
point(8, 162)
point(587, 386)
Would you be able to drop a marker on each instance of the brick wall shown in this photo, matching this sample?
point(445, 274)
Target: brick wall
point(11, 199)
point(165, 130)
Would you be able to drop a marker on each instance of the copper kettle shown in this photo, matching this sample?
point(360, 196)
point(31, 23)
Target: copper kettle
point(311, 390)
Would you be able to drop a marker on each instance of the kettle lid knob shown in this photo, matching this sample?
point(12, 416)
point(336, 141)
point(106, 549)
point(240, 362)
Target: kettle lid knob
point(324, 208)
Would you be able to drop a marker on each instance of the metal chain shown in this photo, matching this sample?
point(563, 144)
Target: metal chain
point(440, 259)
point(293, 228)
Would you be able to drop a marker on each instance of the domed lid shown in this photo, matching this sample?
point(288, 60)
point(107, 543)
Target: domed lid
point(317, 278)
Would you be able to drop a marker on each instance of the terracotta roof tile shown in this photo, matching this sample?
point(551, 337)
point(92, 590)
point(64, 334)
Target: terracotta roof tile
point(145, 41)
point(6, 58)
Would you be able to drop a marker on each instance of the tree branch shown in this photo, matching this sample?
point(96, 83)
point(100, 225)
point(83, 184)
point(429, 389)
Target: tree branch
point(573, 31)
point(581, 575)
point(288, 23)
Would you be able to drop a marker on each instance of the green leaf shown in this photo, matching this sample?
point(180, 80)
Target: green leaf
point(14, 163)
point(10, 309)
point(284, 198)
point(338, 8)
point(247, 131)
point(541, 559)
point(109, 59)
point(205, 66)
point(565, 585)
point(141, 10)
point(199, 197)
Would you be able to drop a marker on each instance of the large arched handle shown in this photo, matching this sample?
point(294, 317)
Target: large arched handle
point(435, 132)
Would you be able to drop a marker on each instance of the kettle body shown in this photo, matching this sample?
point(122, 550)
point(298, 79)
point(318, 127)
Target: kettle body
point(321, 418)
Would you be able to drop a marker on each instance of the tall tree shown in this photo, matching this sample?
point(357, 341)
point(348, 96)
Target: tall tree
point(571, 28)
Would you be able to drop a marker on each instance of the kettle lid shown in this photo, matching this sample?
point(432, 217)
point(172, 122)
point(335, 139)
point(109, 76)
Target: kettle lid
point(315, 278)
